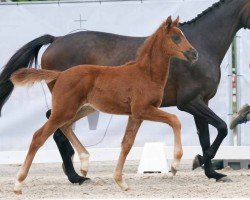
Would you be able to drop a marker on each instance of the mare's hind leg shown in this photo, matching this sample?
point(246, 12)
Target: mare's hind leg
point(67, 152)
point(154, 114)
point(204, 116)
point(127, 142)
point(38, 140)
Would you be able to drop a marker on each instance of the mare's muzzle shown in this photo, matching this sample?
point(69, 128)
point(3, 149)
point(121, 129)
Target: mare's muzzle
point(191, 55)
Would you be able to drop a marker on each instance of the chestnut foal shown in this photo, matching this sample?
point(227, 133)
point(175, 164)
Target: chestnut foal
point(134, 89)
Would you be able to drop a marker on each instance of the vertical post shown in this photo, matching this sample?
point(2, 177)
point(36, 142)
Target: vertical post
point(230, 94)
point(238, 74)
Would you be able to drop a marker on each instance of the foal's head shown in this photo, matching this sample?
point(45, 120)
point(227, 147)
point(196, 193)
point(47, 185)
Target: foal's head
point(175, 43)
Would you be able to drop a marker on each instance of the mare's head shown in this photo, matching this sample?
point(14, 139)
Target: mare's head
point(245, 15)
point(175, 43)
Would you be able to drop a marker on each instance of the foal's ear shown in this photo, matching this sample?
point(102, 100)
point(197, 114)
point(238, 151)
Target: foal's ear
point(176, 22)
point(169, 23)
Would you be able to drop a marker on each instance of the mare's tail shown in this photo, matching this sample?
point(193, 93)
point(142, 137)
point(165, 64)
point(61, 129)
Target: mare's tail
point(25, 56)
point(30, 76)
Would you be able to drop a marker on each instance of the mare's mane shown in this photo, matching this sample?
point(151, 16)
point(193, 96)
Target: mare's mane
point(205, 12)
point(146, 48)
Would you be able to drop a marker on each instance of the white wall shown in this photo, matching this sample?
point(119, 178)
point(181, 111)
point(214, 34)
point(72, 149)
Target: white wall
point(24, 112)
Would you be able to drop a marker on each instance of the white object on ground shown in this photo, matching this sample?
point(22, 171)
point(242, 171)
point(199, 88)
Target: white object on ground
point(153, 159)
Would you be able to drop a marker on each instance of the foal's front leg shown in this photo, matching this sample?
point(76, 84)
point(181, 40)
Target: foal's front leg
point(154, 114)
point(127, 142)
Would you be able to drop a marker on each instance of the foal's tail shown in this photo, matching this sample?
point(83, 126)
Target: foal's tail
point(23, 57)
point(30, 76)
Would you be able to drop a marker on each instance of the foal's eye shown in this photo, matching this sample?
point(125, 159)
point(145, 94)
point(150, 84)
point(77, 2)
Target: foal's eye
point(176, 39)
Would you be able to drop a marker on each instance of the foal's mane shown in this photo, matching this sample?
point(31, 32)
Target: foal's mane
point(147, 47)
point(205, 12)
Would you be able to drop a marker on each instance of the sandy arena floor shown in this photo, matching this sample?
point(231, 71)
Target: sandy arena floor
point(48, 181)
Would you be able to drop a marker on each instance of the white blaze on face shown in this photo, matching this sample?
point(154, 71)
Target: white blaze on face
point(181, 33)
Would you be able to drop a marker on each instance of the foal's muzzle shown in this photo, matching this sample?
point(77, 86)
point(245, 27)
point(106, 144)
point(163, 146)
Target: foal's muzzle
point(191, 55)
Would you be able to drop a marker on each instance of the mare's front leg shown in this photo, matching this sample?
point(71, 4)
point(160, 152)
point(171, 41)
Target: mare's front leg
point(127, 143)
point(204, 138)
point(151, 113)
point(204, 116)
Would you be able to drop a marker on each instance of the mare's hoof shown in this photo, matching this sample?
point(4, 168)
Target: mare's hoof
point(224, 180)
point(84, 179)
point(77, 179)
point(173, 170)
point(197, 162)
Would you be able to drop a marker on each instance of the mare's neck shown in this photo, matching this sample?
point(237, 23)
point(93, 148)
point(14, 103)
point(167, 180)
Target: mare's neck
point(214, 32)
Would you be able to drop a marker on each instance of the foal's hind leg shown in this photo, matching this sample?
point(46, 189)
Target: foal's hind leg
point(127, 142)
point(67, 157)
point(62, 113)
point(154, 114)
point(38, 140)
point(81, 150)
point(65, 148)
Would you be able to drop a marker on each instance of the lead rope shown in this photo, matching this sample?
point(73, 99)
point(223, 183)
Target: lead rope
point(105, 133)
point(106, 130)
point(45, 96)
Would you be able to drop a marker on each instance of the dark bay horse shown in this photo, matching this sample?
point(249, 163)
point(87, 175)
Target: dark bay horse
point(188, 88)
point(138, 88)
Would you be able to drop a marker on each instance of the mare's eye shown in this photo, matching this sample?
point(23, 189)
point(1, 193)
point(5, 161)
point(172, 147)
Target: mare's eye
point(176, 39)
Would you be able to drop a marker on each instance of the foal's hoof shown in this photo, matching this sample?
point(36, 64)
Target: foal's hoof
point(173, 170)
point(18, 192)
point(122, 184)
point(84, 172)
point(125, 188)
point(17, 188)
point(197, 162)
point(224, 180)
